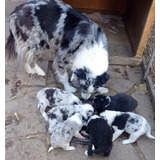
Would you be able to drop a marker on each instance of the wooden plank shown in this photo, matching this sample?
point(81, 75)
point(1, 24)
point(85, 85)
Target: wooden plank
point(107, 5)
point(149, 82)
point(139, 18)
point(130, 61)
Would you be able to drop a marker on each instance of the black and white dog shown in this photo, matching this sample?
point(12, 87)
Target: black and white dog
point(120, 102)
point(50, 29)
point(63, 132)
point(52, 97)
point(63, 112)
point(129, 122)
point(100, 135)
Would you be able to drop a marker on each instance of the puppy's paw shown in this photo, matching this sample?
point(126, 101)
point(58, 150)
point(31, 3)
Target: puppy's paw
point(70, 148)
point(51, 148)
point(86, 152)
point(102, 90)
point(45, 116)
point(125, 142)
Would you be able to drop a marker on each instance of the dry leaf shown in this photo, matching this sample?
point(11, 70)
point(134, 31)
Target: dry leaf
point(16, 115)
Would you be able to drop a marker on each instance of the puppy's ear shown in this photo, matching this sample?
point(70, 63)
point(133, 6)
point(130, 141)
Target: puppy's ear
point(80, 73)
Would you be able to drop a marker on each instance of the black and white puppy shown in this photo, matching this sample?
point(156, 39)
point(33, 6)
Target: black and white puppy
point(119, 102)
point(63, 112)
point(51, 97)
point(100, 136)
point(129, 122)
point(53, 30)
point(63, 132)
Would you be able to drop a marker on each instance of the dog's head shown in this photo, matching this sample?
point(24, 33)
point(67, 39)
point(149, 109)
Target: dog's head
point(87, 111)
point(87, 82)
point(100, 103)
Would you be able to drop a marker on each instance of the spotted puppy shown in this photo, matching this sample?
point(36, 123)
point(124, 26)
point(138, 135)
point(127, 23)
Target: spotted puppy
point(100, 135)
point(63, 112)
point(51, 97)
point(64, 131)
point(119, 102)
point(129, 122)
point(53, 30)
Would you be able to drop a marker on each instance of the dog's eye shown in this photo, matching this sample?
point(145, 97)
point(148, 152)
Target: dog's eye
point(84, 87)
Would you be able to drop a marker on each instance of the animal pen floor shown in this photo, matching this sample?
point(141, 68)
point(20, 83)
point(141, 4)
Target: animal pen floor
point(26, 132)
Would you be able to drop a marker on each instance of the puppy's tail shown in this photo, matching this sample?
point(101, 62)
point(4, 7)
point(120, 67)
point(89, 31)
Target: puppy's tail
point(148, 133)
point(10, 53)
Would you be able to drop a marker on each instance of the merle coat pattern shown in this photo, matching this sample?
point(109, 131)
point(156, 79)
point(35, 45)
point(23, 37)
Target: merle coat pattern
point(119, 102)
point(100, 135)
point(52, 97)
point(129, 122)
point(63, 132)
point(63, 112)
point(50, 29)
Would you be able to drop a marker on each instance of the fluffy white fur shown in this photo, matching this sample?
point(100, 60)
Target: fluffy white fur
point(129, 122)
point(97, 64)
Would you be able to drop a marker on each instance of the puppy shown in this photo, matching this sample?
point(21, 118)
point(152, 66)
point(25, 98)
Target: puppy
point(53, 30)
point(64, 131)
point(129, 122)
point(100, 135)
point(51, 97)
point(63, 112)
point(120, 102)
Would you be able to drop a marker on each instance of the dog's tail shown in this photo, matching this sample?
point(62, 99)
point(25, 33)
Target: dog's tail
point(148, 133)
point(10, 52)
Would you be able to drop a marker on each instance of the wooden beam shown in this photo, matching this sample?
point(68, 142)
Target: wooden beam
point(130, 61)
point(107, 5)
point(146, 31)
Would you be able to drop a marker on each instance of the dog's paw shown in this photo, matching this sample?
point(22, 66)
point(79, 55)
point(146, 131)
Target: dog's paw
point(45, 116)
point(51, 148)
point(102, 90)
point(71, 89)
point(125, 142)
point(39, 71)
point(86, 152)
point(70, 148)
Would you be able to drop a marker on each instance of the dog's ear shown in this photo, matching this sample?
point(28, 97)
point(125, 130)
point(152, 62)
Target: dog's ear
point(102, 79)
point(105, 78)
point(80, 73)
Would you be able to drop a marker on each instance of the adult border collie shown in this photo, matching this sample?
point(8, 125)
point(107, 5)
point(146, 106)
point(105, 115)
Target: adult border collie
point(50, 29)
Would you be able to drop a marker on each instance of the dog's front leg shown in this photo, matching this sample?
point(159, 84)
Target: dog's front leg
point(89, 152)
point(64, 80)
point(117, 132)
point(62, 75)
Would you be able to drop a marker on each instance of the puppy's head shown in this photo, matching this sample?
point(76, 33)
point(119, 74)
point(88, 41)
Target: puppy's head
point(87, 111)
point(87, 82)
point(101, 103)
